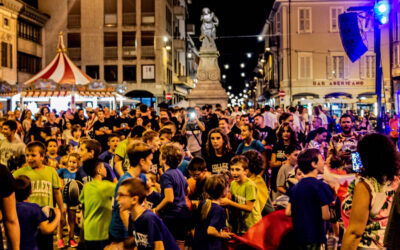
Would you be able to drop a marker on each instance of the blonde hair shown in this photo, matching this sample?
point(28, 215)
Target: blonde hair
point(214, 187)
point(172, 154)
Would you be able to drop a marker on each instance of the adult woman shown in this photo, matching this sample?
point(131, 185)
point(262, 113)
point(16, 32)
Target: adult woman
point(26, 123)
point(45, 112)
point(365, 126)
point(285, 137)
point(173, 208)
point(219, 152)
point(371, 194)
point(36, 128)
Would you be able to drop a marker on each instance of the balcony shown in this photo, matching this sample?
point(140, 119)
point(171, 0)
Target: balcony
point(129, 19)
point(148, 52)
point(74, 21)
point(74, 54)
point(129, 52)
point(110, 20)
point(111, 53)
point(179, 44)
point(190, 29)
point(179, 10)
point(148, 18)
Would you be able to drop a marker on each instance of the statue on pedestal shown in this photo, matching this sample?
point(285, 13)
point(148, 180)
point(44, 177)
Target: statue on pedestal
point(208, 29)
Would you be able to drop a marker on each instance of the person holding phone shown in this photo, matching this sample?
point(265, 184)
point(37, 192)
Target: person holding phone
point(193, 129)
point(371, 194)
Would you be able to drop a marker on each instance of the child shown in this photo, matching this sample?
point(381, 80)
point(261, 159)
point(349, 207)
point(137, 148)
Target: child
point(173, 208)
point(30, 216)
point(165, 135)
point(108, 156)
point(198, 171)
point(291, 152)
point(67, 133)
point(68, 174)
point(153, 198)
point(45, 183)
point(140, 158)
point(309, 201)
point(147, 229)
point(244, 194)
point(96, 198)
point(52, 157)
point(76, 132)
point(90, 149)
point(208, 232)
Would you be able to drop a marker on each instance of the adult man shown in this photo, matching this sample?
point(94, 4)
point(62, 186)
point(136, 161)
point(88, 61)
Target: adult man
point(233, 140)
point(10, 146)
point(194, 130)
point(252, 114)
point(267, 135)
point(102, 128)
point(122, 123)
point(210, 121)
point(53, 123)
point(270, 118)
point(346, 142)
point(296, 119)
point(316, 123)
point(79, 118)
point(236, 111)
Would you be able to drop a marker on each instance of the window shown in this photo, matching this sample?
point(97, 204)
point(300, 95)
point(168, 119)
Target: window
point(370, 66)
point(110, 13)
point(110, 45)
point(128, 12)
point(396, 58)
point(168, 20)
point(74, 40)
point(278, 22)
point(338, 67)
point(148, 72)
point(29, 31)
point(304, 20)
point(93, 71)
point(129, 73)
point(169, 76)
point(28, 63)
point(147, 38)
point(111, 73)
point(74, 14)
point(5, 22)
point(305, 65)
point(129, 39)
point(148, 6)
point(334, 18)
point(6, 55)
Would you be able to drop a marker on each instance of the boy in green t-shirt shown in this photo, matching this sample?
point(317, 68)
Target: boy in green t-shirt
point(96, 197)
point(246, 210)
point(44, 180)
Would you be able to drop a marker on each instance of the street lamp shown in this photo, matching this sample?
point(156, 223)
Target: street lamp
point(226, 66)
point(242, 65)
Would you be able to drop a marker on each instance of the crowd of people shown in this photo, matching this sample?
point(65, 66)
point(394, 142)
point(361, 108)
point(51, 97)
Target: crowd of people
point(195, 177)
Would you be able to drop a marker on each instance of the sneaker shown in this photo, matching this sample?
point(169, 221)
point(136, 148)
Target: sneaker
point(72, 243)
point(60, 243)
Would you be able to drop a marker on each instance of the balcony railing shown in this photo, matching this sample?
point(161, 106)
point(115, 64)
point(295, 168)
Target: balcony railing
point(74, 21)
point(148, 52)
point(110, 53)
point(148, 18)
point(179, 44)
point(74, 54)
point(129, 52)
point(129, 19)
point(179, 10)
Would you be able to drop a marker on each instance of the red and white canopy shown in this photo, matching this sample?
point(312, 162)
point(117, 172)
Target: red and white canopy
point(61, 70)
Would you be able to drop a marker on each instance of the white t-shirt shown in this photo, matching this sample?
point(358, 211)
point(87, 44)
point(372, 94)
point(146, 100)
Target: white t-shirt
point(8, 149)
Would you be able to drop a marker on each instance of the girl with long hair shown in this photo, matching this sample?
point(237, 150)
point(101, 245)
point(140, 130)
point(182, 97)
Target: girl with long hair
point(218, 152)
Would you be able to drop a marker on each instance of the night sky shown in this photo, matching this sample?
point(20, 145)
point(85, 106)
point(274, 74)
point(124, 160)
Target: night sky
point(240, 22)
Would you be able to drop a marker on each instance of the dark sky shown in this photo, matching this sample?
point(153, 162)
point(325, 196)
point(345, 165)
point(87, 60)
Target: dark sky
point(240, 21)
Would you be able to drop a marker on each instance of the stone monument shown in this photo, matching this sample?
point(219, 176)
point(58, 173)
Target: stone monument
point(208, 89)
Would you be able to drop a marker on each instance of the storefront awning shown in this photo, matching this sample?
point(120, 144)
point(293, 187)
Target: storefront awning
point(45, 93)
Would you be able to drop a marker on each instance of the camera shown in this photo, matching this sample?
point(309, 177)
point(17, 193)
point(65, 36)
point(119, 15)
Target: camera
point(192, 115)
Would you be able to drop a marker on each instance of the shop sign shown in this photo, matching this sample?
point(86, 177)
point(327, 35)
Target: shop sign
point(338, 83)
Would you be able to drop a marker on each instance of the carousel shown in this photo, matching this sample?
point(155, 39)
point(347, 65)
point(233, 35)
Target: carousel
point(61, 85)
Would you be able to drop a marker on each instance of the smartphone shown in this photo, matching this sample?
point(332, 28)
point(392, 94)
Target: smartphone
point(356, 162)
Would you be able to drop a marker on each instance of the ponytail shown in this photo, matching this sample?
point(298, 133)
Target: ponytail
point(205, 209)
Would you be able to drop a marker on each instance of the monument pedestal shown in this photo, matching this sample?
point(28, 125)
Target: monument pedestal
point(208, 89)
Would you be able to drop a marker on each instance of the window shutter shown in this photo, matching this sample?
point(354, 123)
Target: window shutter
point(328, 67)
point(362, 64)
point(308, 67)
point(346, 67)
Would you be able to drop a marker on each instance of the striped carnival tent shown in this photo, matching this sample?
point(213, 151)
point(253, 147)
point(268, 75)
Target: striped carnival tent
point(62, 78)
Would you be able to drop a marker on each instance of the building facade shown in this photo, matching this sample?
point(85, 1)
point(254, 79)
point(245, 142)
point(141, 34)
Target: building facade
point(310, 66)
point(138, 45)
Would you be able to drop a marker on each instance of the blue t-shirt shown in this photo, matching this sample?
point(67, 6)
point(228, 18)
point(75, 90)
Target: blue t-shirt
point(307, 197)
point(255, 144)
point(108, 157)
point(216, 218)
point(183, 168)
point(147, 229)
point(66, 175)
point(173, 178)
point(153, 199)
point(58, 158)
point(117, 229)
point(73, 143)
point(83, 177)
point(30, 215)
